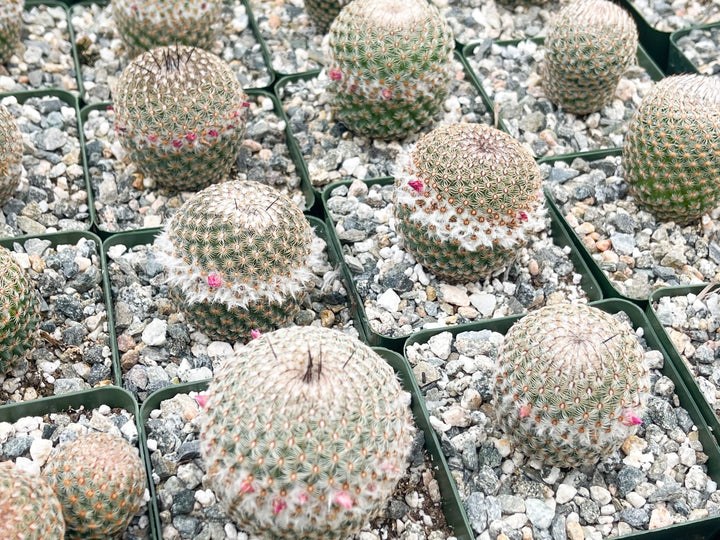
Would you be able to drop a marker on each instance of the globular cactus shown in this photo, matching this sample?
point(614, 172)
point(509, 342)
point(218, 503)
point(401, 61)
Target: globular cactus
point(323, 12)
point(237, 256)
point(28, 506)
point(466, 199)
point(389, 66)
point(11, 150)
point(305, 434)
point(100, 482)
point(181, 115)
point(10, 27)
point(588, 47)
point(19, 310)
point(671, 154)
point(144, 24)
point(571, 384)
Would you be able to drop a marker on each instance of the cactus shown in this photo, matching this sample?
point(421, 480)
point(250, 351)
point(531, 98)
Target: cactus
point(389, 66)
point(571, 384)
point(588, 47)
point(11, 150)
point(100, 481)
point(10, 27)
point(671, 154)
point(237, 257)
point(468, 195)
point(19, 310)
point(323, 12)
point(305, 434)
point(28, 506)
point(144, 24)
point(180, 114)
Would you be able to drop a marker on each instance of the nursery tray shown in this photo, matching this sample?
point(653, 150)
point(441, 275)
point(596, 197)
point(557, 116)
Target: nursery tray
point(678, 62)
point(656, 42)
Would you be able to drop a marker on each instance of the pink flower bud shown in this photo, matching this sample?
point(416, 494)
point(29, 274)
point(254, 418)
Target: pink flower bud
point(191, 137)
point(343, 499)
point(244, 104)
point(246, 486)
point(255, 333)
point(630, 418)
point(110, 108)
point(213, 133)
point(335, 74)
point(523, 215)
point(152, 138)
point(214, 280)
point(177, 144)
point(202, 400)
point(387, 94)
point(278, 506)
point(303, 498)
point(417, 185)
point(524, 411)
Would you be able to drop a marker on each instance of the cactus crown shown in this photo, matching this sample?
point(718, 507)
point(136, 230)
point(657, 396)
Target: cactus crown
point(10, 27)
point(10, 155)
point(305, 434)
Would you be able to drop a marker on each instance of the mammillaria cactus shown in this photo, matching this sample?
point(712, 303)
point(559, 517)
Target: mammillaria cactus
point(571, 384)
point(389, 66)
point(588, 47)
point(100, 481)
point(468, 195)
point(28, 506)
point(10, 27)
point(10, 155)
point(19, 310)
point(181, 115)
point(671, 155)
point(305, 434)
point(144, 24)
point(323, 12)
point(237, 256)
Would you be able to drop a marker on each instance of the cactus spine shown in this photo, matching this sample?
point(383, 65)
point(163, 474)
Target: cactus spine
point(10, 155)
point(10, 27)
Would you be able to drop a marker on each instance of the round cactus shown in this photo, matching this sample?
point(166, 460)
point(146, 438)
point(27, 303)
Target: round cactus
point(28, 506)
point(588, 47)
point(323, 12)
point(305, 434)
point(571, 384)
point(10, 27)
point(671, 155)
point(10, 155)
point(389, 66)
point(19, 310)
point(468, 195)
point(144, 24)
point(100, 482)
point(180, 114)
point(237, 256)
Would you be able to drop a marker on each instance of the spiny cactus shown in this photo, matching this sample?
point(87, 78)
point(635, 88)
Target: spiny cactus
point(10, 155)
point(100, 481)
point(588, 47)
point(389, 66)
point(180, 114)
point(305, 434)
point(10, 27)
point(671, 155)
point(19, 310)
point(323, 12)
point(28, 506)
point(144, 24)
point(237, 256)
point(571, 384)
point(465, 200)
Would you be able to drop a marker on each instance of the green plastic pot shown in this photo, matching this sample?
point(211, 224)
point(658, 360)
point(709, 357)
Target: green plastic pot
point(677, 61)
point(655, 41)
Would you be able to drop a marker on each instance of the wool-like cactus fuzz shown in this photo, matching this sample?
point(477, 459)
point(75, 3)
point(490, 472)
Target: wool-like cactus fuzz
point(571, 384)
point(671, 154)
point(10, 27)
point(11, 149)
point(305, 434)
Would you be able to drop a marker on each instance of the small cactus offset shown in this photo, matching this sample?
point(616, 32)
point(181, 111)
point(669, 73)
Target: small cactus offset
point(28, 506)
point(144, 24)
point(10, 27)
point(305, 434)
point(181, 115)
point(237, 256)
point(11, 150)
point(671, 154)
point(389, 66)
point(100, 482)
point(323, 12)
point(571, 384)
point(588, 47)
point(466, 199)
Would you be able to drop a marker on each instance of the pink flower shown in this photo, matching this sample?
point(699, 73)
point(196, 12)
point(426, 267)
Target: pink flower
point(152, 138)
point(191, 137)
point(246, 486)
point(255, 333)
point(417, 185)
point(630, 418)
point(278, 506)
point(202, 400)
point(177, 144)
point(213, 133)
point(387, 94)
point(214, 280)
point(244, 104)
point(110, 108)
point(335, 74)
point(303, 498)
point(523, 215)
point(524, 411)
point(343, 499)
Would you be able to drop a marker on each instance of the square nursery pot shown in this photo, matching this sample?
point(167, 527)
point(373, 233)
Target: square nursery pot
point(367, 242)
point(30, 431)
point(455, 371)
point(157, 348)
point(169, 453)
point(695, 50)
point(73, 349)
point(120, 199)
point(509, 74)
point(53, 195)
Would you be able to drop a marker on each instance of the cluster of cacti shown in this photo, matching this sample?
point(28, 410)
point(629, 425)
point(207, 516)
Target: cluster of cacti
point(28, 507)
point(588, 46)
point(19, 310)
point(671, 155)
point(100, 482)
point(10, 155)
point(571, 384)
point(389, 66)
point(237, 256)
point(305, 434)
point(144, 24)
point(323, 12)
point(180, 114)
point(10, 27)
point(466, 199)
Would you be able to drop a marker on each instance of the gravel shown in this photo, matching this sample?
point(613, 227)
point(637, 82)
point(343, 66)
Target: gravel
point(670, 16)
point(701, 47)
